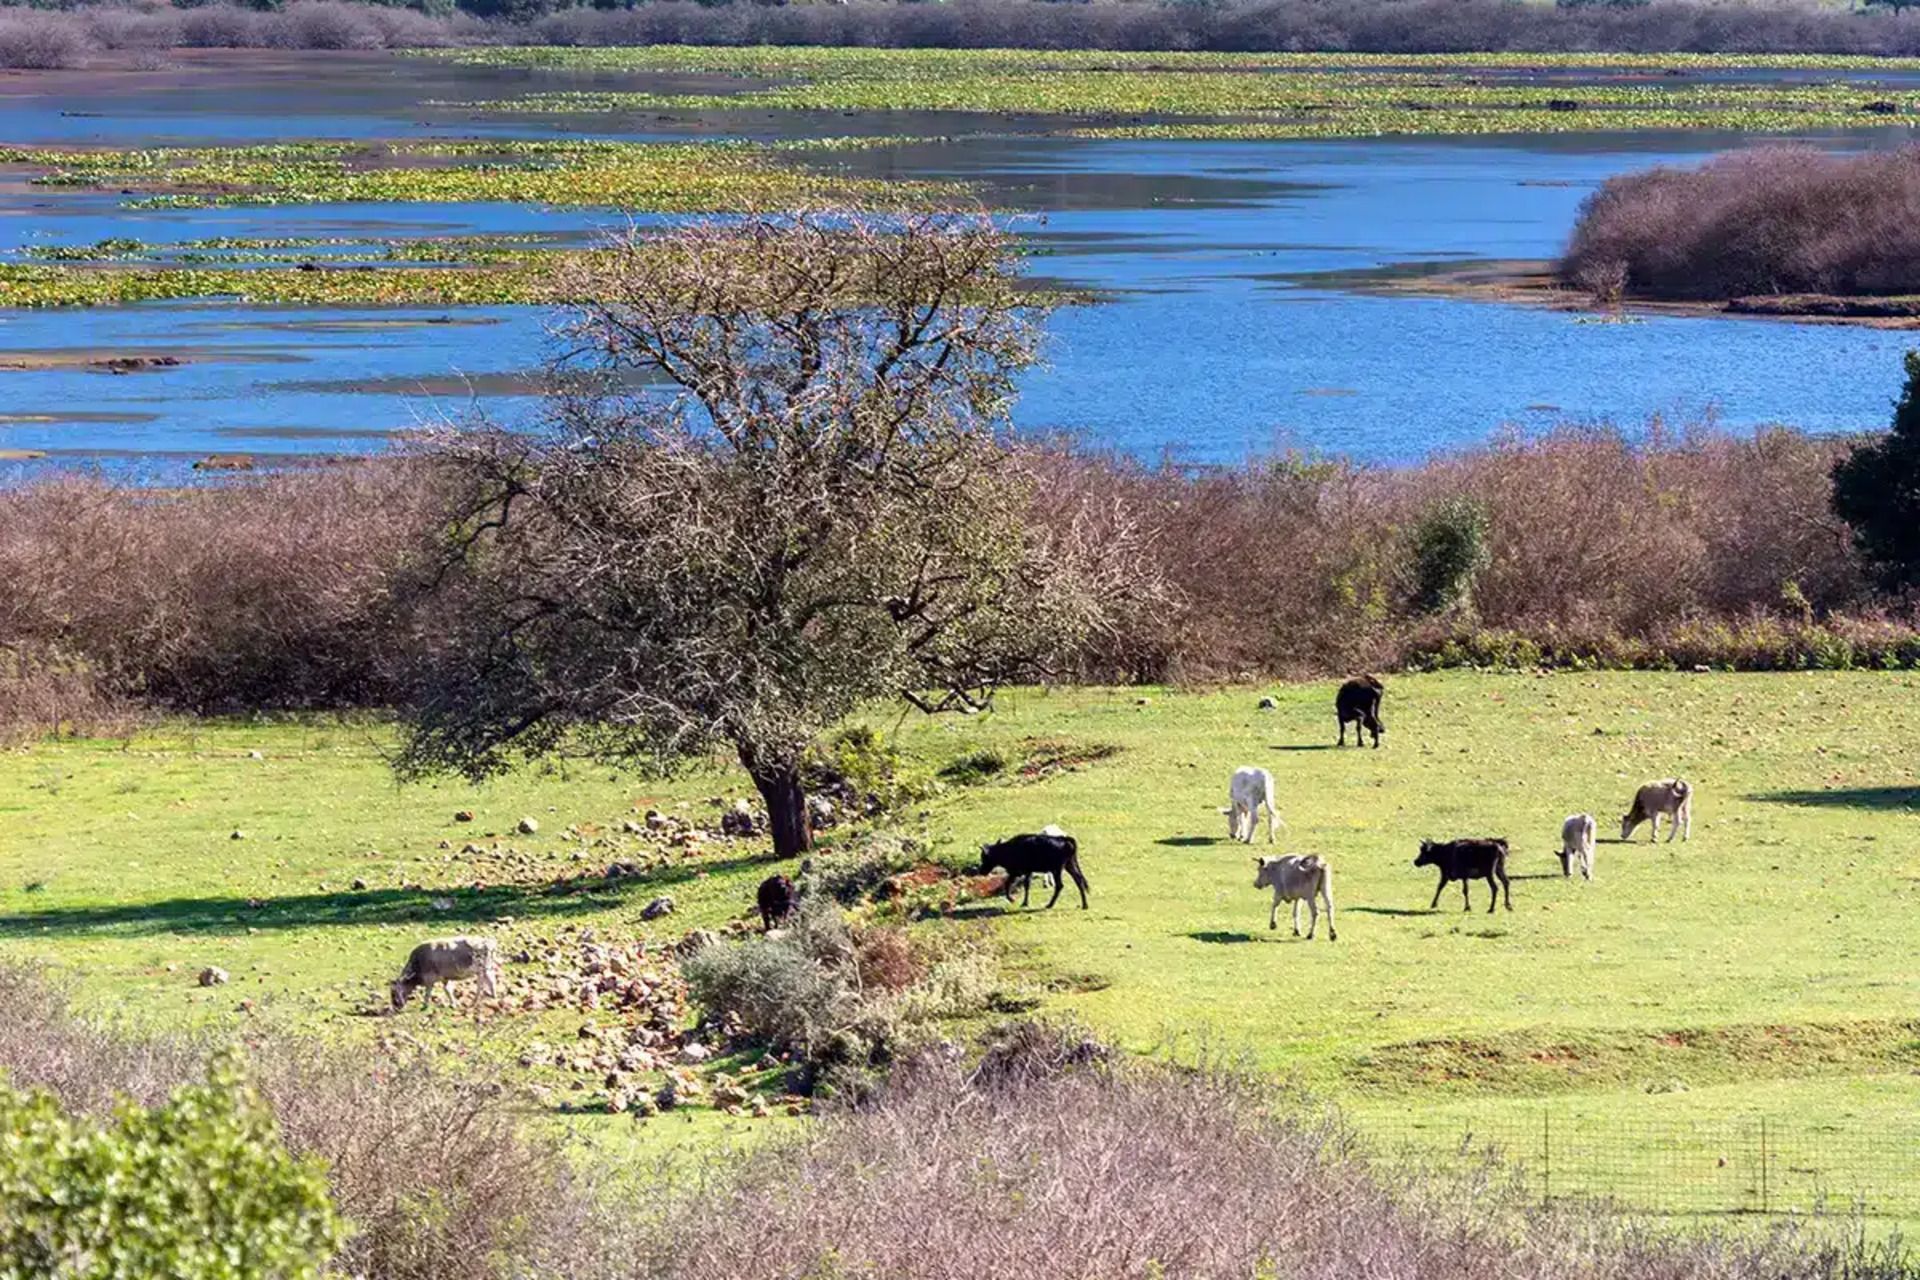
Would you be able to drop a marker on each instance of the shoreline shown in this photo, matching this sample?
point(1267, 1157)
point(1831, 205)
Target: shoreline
point(1531, 282)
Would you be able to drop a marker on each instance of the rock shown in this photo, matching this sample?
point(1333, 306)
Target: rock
point(660, 906)
point(738, 821)
point(1881, 107)
point(1562, 104)
point(442, 904)
point(655, 820)
point(694, 1054)
point(632, 828)
point(820, 810)
point(238, 835)
point(528, 827)
point(465, 815)
point(694, 941)
point(255, 755)
point(1268, 704)
point(213, 976)
point(359, 886)
point(1141, 702)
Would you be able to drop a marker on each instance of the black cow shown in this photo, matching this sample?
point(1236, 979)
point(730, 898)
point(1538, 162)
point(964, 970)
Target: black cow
point(777, 901)
point(1465, 860)
point(1028, 856)
point(1358, 704)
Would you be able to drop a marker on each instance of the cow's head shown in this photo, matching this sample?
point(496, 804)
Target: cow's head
point(989, 858)
point(401, 992)
point(1233, 822)
point(1627, 824)
point(1265, 872)
point(1426, 858)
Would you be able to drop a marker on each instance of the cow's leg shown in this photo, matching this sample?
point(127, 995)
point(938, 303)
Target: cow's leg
point(1566, 863)
point(1079, 881)
point(1273, 821)
point(1436, 894)
point(1296, 917)
point(1273, 912)
point(1026, 892)
point(1465, 903)
point(1326, 891)
point(1313, 918)
point(1343, 735)
point(1686, 818)
point(1505, 884)
point(1058, 880)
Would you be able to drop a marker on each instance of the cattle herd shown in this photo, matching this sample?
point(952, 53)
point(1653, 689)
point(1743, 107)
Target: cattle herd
point(1308, 878)
point(1293, 878)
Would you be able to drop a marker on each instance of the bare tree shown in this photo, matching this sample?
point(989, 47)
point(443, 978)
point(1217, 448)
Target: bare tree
point(783, 489)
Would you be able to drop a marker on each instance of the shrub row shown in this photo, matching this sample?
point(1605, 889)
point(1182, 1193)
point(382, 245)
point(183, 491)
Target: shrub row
point(46, 36)
point(1577, 547)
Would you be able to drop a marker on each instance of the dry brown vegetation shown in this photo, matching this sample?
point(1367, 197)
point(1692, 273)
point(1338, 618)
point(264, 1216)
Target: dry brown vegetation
point(84, 34)
point(1774, 220)
point(277, 592)
point(1024, 1160)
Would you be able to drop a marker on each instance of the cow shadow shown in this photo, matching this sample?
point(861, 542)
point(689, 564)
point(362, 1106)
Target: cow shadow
point(1190, 842)
point(1305, 746)
point(1383, 911)
point(1220, 936)
point(1846, 798)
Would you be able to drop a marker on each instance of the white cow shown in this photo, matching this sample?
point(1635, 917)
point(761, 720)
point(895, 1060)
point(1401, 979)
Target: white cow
point(1672, 799)
point(1294, 877)
point(1250, 789)
point(1576, 845)
point(447, 960)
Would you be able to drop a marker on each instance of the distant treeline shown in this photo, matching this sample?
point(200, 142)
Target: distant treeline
point(73, 35)
point(1581, 547)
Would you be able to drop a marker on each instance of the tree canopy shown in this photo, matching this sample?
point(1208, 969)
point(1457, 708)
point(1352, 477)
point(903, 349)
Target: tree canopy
point(1876, 490)
point(774, 485)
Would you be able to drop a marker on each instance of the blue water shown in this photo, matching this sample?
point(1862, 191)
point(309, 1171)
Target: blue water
point(1211, 347)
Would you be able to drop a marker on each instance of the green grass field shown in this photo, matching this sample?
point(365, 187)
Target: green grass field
point(1647, 1021)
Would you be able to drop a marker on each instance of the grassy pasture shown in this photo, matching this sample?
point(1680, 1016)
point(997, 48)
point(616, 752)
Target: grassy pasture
point(1765, 968)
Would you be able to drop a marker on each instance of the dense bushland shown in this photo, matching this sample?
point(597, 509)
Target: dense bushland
point(75, 35)
point(1773, 220)
point(1588, 548)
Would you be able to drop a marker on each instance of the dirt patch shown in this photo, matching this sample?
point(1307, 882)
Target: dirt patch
point(1048, 756)
point(1537, 1062)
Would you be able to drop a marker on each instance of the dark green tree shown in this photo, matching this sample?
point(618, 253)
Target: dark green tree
point(1876, 490)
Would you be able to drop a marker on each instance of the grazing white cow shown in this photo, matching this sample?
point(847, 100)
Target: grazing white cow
point(447, 960)
point(1672, 799)
point(1250, 789)
point(1294, 877)
point(1576, 845)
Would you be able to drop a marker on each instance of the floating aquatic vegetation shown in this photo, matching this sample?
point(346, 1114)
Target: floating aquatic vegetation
point(1229, 95)
point(651, 177)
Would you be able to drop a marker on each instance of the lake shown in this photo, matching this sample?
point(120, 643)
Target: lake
point(1220, 336)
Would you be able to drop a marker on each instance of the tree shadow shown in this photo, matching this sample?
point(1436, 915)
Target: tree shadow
point(1219, 936)
point(1535, 875)
point(1190, 842)
point(359, 908)
point(1846, 798)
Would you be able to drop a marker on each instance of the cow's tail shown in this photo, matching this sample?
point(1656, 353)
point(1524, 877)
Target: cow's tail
point(1681, 789)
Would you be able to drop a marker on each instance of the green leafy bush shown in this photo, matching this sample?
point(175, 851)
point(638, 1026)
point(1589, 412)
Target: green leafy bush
point(853, 869)
point(1876, 490)
point(198, 1186)
point(1450, 549)
point(976, 767)
point(866, 774)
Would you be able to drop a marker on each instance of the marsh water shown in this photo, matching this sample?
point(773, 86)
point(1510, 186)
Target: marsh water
point(1226, 326)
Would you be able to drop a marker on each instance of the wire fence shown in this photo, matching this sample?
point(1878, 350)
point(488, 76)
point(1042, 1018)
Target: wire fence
point(1758, 1165)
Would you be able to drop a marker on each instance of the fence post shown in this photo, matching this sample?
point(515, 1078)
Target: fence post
point(1546, 1155)
point(1766, 1201)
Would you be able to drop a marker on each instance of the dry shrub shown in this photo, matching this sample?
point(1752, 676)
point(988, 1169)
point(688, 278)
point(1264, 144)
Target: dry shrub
point(44, 693)
point(327, 24)
point(35, 41)
point(1113, 1172)
point(1772, 220)
point(885, 958)
point(437, 1174)
point(265, 593)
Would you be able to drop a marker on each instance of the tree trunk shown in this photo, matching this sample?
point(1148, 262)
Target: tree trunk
point(786, 799)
